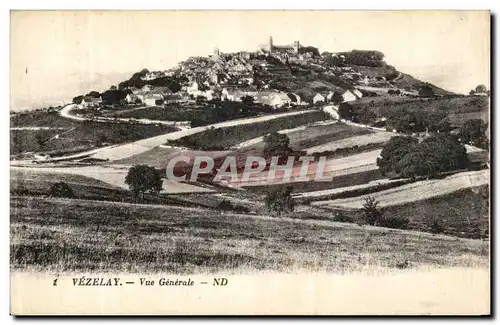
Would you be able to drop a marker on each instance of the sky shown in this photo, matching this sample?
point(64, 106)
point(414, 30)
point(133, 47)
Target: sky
point(56, 55)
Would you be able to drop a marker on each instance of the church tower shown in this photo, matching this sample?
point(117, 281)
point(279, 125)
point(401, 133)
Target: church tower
point(296, 46)
point(270, 44)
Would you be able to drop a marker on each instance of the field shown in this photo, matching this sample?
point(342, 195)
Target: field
point(123, 237)
point(39, 118)
point(33, 183)
point(159, 156)
point(306, 136)
point(223, 138)
point(337, 182)
point(460, 109)
point(461, 118)
point(375, 138)
point(85, 135)
point(202, 114)
point(463, 213)
point(419, 190)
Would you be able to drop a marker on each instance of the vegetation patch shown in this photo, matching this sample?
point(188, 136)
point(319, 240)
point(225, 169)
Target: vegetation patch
point(223, 138)
point(85, 135)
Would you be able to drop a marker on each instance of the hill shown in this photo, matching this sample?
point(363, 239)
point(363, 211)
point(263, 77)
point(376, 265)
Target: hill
point(305, 73)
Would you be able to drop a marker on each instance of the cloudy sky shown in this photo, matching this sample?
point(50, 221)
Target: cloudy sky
point(56, 55)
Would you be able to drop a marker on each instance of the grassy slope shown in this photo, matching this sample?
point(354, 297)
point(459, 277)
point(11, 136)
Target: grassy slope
point(464, 212)
point(86, 135)
point(45, 119)
point(460, 109)
point(226, 137)
point(338, 181)
point(124, 237)
point(25, 182)
point(315, 135)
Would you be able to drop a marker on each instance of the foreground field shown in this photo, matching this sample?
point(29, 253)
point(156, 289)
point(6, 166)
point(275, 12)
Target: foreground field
point(65, 235)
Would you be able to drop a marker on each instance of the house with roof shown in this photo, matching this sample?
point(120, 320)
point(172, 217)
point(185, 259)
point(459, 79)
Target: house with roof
point(349, 96)
point(91, 102)
point(273, 99)
point(153, 99)
point(147, 88)
point(161, 90)
point(319, 98)
point(173, 98)
point(133, 99)
point(134, 89)
point(235, 94)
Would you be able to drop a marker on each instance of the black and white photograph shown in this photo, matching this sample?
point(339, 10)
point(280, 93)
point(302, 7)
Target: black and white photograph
point(169, 162)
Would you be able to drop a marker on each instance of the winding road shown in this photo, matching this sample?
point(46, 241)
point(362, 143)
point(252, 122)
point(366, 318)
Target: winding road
point(66, 112)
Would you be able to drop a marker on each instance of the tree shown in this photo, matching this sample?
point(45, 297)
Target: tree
point(94, 94)
point(143, 179)
point(436, 154)
point(309, 49)
point(280, 201)
point(481, 89)
point(473, 132)
point(113, 96)
point(174, 86)
point(247, 100)
point(276, 144)
point(77, 100)
point(40, 141)
point(371, 212)
point(337, 98)
point(394, 150)
point(61, 189)
point(426, 91)
point(437, 122)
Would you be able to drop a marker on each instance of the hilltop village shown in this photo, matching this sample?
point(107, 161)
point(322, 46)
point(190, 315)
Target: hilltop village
point(274, 75)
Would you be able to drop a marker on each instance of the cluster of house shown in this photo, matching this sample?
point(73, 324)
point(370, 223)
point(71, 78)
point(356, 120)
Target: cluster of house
point(91, 102)
point(152, 96)
point(329, 96)
point(271, 98)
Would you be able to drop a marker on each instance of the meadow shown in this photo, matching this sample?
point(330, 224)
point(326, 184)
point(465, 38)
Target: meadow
point(122, 237)
point(86, 135)
point(224, 138)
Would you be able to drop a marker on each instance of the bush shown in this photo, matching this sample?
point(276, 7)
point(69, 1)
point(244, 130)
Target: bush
point(372, 214)
point(436, 226)
point(280, 201)
point(342, 217)
point(226, 205)
point(276, 144)
point(394, 222)
point(61, 189)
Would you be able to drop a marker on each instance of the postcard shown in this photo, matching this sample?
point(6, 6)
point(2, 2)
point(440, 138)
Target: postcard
point(250, 162)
